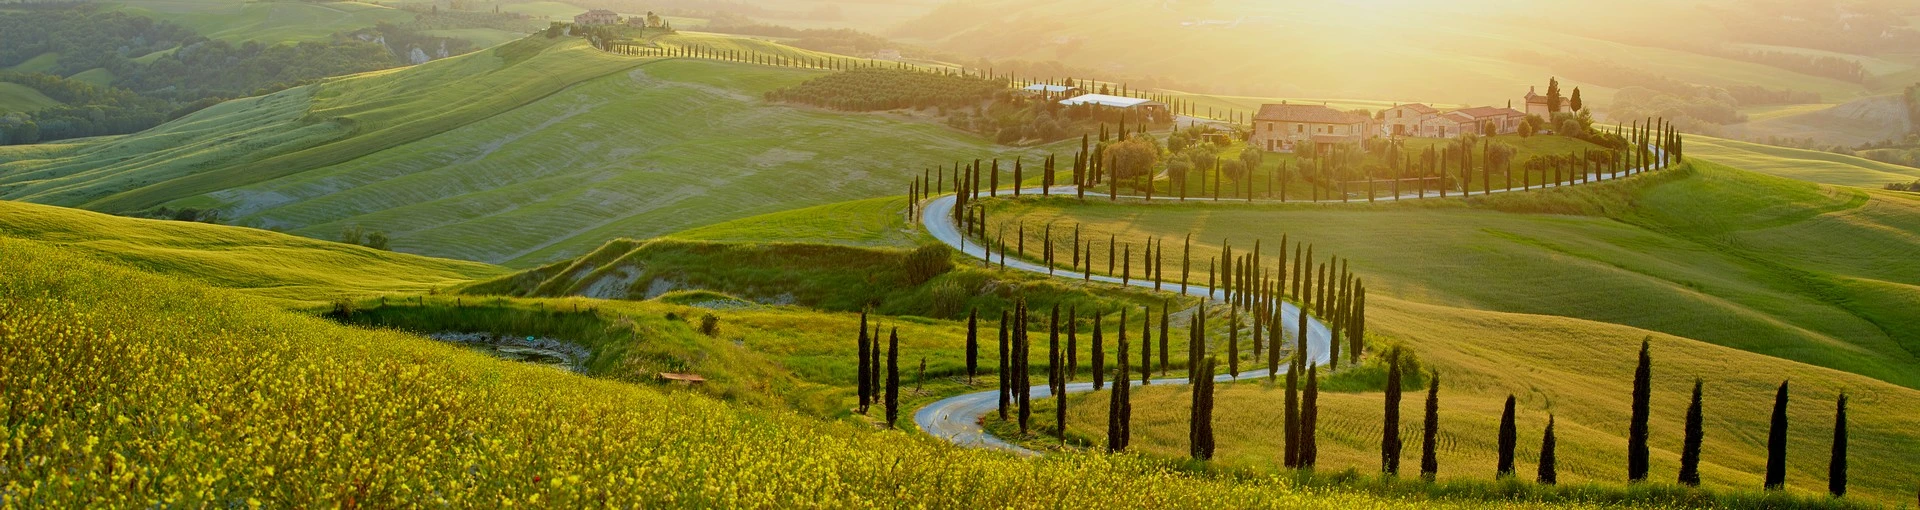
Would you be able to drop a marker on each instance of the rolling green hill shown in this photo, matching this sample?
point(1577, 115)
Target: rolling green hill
point(582, 148)
point(204, 371)
point(284, 268)
point(1806, 165)
point(1709, 253)
point(15, 97)
point(266, 22)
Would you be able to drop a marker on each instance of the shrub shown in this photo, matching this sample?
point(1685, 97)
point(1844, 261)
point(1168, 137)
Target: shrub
point(949, 297)
point(926, 262)
point(710, 325)
point(378, 240)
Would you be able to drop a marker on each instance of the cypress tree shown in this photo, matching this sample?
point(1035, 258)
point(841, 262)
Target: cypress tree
point(1098, 356)
point(1390, 429)
point(1690, 448)
point(1233, 341)
point(1430, 429)
point(1508, 438)
point(1164, 305)
point(1146, 346)
point(873, 367)
point(1637, 427)
point(1200, 423)
point(1186, 256)
point(973, 343)
point(1310, 419)
point(1123, 409)
point(1290, 427)
point(866, 366)
point(1059, 389)
point(1073, 350)
point(1018, 179)
point(1006, 385)
point(1777, 442)
point(893, 376)
point(1023, 373)
point(1053, 348)
point(1837, 463)
point(1547, 474)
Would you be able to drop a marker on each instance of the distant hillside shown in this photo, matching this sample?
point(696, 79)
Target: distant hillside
point(285, 268)
point(1866, 120)
point(534, 151)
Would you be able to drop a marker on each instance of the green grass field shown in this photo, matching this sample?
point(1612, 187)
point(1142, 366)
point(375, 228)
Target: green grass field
point(873, 222)
point(1710, 253)
point(15, 97)
point(1806, 165)
point(98, 77)
point(289, 269)
point(204, 371)
point(267, 22)
point(596, 148)
point(41, 63)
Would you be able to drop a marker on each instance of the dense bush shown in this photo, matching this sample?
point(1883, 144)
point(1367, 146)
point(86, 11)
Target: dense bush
point(926, 262)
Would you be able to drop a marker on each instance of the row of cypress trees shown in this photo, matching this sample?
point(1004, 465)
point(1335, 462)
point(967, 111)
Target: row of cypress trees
point(873, 387)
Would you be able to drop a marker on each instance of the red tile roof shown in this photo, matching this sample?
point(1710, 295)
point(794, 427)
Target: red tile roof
point(1487, 112)
point(1309, 113)
point(1419, 108)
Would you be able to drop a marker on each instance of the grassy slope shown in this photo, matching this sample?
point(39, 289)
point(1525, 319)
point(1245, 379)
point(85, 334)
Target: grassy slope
point(1816, 166)
point(205, 372)
point(1712, 254)
point(15, 97)
point(875, 222)
point(285, 268)
point(267, 22)
point(98, 77)
point(41, 63)
point(548, 169)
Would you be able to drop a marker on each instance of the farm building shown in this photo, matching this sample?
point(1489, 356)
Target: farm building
point(1277, 127)
point(1472, 120)
point(1042, 89)
point(1404, 120)
point(1537, 104)
point(596, 17)
point(1154, 111)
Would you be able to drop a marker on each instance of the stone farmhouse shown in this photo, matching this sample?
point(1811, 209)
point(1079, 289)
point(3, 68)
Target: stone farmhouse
point(596, 17)
point(1279, 127)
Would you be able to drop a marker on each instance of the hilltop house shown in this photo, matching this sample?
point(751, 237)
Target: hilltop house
point(1537, 104)
point(596, 17)
point(1278, 127)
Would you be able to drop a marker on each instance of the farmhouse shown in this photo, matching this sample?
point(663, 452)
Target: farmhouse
point(1537, 105)
point(1404, 120)
point(596, 17)
point(1277, 127)
point(1042, 89)
point(1472, 120)
point(1152, 110)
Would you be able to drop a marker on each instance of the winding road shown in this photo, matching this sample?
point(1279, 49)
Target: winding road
point(957, 418)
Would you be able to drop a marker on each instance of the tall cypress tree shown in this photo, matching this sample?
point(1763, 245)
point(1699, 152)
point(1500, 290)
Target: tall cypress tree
point(1390, 428)
point(1233, 341)
point(1200, 423)
point(1073, 350)
point(1023, 351)
point(1637, 427)
point(1006, 372)
point(1164, 313)
point(1430, 429)
point(873, 367)
point(1123, 408)
point(1837, 463)
point(973, 343)
point(1777, 442)
point(1099, 356)
point(1290, 426)
point(1058, 376)
point(893, 376)
point(1547, 474)
point(866, 365)
point(1310, 419)
point(1509, 436)
point(1146, 346)
point(1690, 448)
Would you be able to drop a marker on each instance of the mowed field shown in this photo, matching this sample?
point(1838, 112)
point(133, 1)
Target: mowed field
point(1806, 165)
point(283, 268)
point(585, 147)
point(266, 22)
point(1769, 265)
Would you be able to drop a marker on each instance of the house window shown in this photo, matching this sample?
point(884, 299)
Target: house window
point(1299, 128)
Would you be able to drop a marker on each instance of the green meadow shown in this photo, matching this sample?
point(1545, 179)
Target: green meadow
point(15, 97)
point(266, 22)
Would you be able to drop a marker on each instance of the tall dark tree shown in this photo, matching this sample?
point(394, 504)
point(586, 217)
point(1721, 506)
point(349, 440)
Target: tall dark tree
point(1547, 474)
point(1099, 356)
point(1006, 372)
point(1430, 429)
point(1200, 423)
point(973, 343)
point(1637, 424)
point(1837, 463)
point(1690, 447)
point(1233, 341)
point(1553, 95)
point(1777, 442)
point(866, 364)
point(1509, 437)
point(1574, 104)
point(1146, 346)
point(1310, 419)
point(1290, 426)
point(893, 376)
point(1122, 389)
point(1073, 349)
point(1023, 351)
point(1164, 313)
point(1059, 388)
point(1390, 427)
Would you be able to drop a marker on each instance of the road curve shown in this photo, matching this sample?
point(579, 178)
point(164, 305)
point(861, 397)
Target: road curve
point(957, 419)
